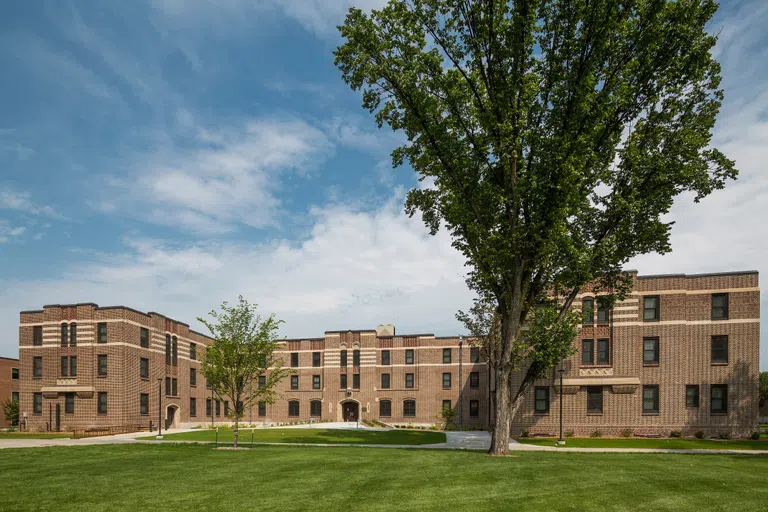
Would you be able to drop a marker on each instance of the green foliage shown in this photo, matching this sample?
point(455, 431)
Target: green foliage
point(524, 433)
point(568, 433)
point(675, 433)
point(755, 436)
point(763, 388)
point(11, 411)
point(699, 434)
point(724, 435)
point(447, 415)
point(596, 433)
point(627, 432)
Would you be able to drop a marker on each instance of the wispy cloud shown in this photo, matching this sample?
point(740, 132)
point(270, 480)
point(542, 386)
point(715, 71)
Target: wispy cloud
point(11, 199)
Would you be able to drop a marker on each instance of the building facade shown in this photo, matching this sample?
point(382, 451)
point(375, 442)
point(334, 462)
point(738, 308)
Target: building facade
point(10, 384)
point(679, 353)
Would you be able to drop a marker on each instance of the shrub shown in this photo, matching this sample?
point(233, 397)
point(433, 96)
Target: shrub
point(755, 436)
point(524, 433)
point(675, 433)
point(724, 435)
point(596, 433)
point(569, 433)
point(627, 432)
point(699, 434)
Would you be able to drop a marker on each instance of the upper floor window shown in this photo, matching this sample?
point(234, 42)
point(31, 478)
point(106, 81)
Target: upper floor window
point(37, 335)
point(69, 366)
point(651, 308)
point(385, 380)
point(192, 351)
point(650, 350)
point(101, 329)
point(102, 365)
point(315, 382)
point(262, 381)
point(193, 376)
point(718, 398)
point(144, 337)
point(719, 349)
point(144, 404)
point(386, 357)
point(446, 381)
point(408, 380)
point(587, 351)
point(474, 408)
point(541, 400)
point(144, 368)
point(316, 359)
point(294, 382)
point(446, 356)
point(409, 356)
point(355, 357)
point(356, 381)
point(64, 335)
point(294, 359)
point(167, 349)
point(588, 311)
point(37, 366)
point(719, 306)
point(651, 399)
point(72, 334)
point(175, 351)
point(15, 373)
point(409, 408)
point(474, 355)
point(603, 352)
point(343, 358)
point(474, 379)
point(603, 313)
point(343, 381)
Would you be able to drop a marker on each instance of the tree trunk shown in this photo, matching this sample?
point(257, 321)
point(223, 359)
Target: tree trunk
point(236, 430)
point(502, 396)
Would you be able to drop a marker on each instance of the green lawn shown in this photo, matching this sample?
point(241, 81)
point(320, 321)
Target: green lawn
point(195, 477)
point(680, 444)
point(35, 435)
point(313, 435)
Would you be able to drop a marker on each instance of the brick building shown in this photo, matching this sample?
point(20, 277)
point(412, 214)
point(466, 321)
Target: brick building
point(680, 353)
point(10, 384)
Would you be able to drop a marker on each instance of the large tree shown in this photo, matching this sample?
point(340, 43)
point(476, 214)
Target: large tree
point(551, 136)
point(243, 352)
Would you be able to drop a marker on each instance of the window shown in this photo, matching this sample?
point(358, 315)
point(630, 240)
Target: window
point(193, 407)
point(355, 358)
point(294, 359)
point(474, 408)
point(718, 398)
point(262, 381)
point(651, 399)
point(167, 349)
point(101, 329)
point(69, 403)
point(64, 366)
point(294, 382)
point(447, 405)
point(446, 381)
point(144, 368)
point(64, 335)
point(102, 405)
point(408, 380)
point(72, 334)
point(409, 408)
point(446, 356)
point(650, 350)
point(474, 355)
point(144, 337)
point(356, 381)
point(226, 408)
point(102, 365)
point(69, 366)
point(719, 349)
point(385, 408)
point(315, 382)
point(37, 335)
point(316, 359)
point(193, 377)
point(409, 356)
point(175, 352)
point(343, 381)
point(692, 395)
point(587, 351)
point(315, 408)
point(541, 395)
point(175, 386)
point(603, 353)
point(385, 357)
point(343, 358)
point(587, 311)
point(15, 373)
point(37, 366)
point(719, 306)
point(262, 409)
point(73, 366)
point(37, 403)
point(384, 381)
point(192, 351)
point(293, 408)
point(208, 407)
point(651, 308)
point(474, 379)
point(218, 408)
point(595, 399)
point(603, 313)
point(167, 386)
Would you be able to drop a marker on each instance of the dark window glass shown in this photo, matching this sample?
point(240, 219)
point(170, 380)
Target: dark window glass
point(692, 395)
point(409, 356)
point(474, 379)
point(69, 403)
point(315, 408)
point(293, 408)
point(167, 349)
point(542, 399)
point(144, 368)
point(72, 335)
point(385, 357)
point(64, 366)
point(408, 380)
point(262, 381)
point(294, 382)
point(294, 359)
point(650, 350)
point(218, 408)
point(343, 381)
point(343, 358)
point(175, 386)
point(316, 359)
point(37, 335)
point(719, 306)
point(64, 335)
point(356, 381)
point(208, 407)
point(446, 356)
point(192, 407)
point(409, 408)
point(144, 404)
point(447, 404)
point(167, 386)
point(37, 366)
point(15, 373)
point(384, 381)
point(718, 398)
point(144, 337)
point(102, 332)
point(651, 399)
point(603, 352)
point(175, 352)
point(603, 313)
point(73, 366)
point(474, 408)
point(355, 358)
point(102, 406)
point(587, 351)
point(446, 381)
point(588, 311)
point(720, 349)
point(102, 359)
point(474, 355)
point(651, 308)
point(595, 399)
point(315, 382)
point(226, 408)
point(193, 376)
point(37, 403)
point(192, 351)
point(385, 408)
point(262, 409)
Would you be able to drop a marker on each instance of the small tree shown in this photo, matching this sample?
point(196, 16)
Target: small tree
point(11, 410)
point(447, 415)
point(763, 388)
point(242, 353)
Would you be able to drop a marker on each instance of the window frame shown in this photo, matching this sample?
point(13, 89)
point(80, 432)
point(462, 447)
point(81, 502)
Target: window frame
point(356, 358)
point(73, 334)
point(382, 413)
point(64, 367)
point(447, 380)
point(355, 381)
point(15, 374)
point(312, 405)
point(317, 361)
point(386, 361)
point(343, 381)
point(64, 334)
point(447, 355)
point(724, 308)
point(174, 351)
point(607, 359)
point(73, 366)
point(409, 408)
point(193, 351)
point(144, 362)
point(657, 399)
point(474, 355)
point(99, 404)
point(37, 403)
point(143, 337)
point(294, 359)
point(412, 381)
point(720, 338)
point(261, 409)
point(724, 398)
point(316, 382)
point(143, 405)
point(37, 367)
point(193, 407)
point(656, 309)
point(99, 367)
point(588, 311)
point(388, 384)
point(587, 361)
point(291, 405)
point(343, 358)
point(603, 309)
point(37, 335)
point(541, 400)
point(409, 356)
point(193, 377)
point(592, 392)
point(474, 379)
point(692, 387)
point(294, 382)
point(99, 327)
point(69, 403)
point(474, 405)
point(167, 349)
point(656, 351)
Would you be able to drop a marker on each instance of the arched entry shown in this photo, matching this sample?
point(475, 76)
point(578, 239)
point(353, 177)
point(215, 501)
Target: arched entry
point(350, 411)
point(172, 416)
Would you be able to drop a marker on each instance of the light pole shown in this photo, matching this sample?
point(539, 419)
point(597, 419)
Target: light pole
point(560, 441)
point(461, 387)
point(159, 407)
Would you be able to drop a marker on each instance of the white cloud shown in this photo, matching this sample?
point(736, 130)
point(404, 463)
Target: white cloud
point(11, 199)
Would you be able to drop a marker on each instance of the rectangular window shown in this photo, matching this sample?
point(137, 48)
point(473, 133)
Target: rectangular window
point(603, 313)
point(167, 386)
point(446, 381)
point(356, 381)
point(587, 351)
point(193, 407)
point(587, 311)
point(718, 398)
point(446, 356)
point(294, 382)
point(692, 395)
point(102, 363)
point(69, 403)
point(192, 351)
point(226, 409)
point(167, 349)
point(408, 380)
point(315, 408)
point(144, 404)
point(208, 407)
point(72, 335)
point(102, 405)
point(385, 408)
point(37, 335)
point(37, 403)
point(144, 337)
point(193, 377)
point(294, 359)
point(719, 349)
point(719, 306)
point(542, 400)
point(474, 379)
point(474, 355)
point(175, 352)
point(144, 368)
point(64, 366)
point(15, 373)
point(650, 350)
point(447, 405)
point(651, 399)
point(315, 382)
point(343, 358)
point(37, 366)
point(409, 356)
point(262, 409)
point(355, 358)
point(474, 408)
point(316, 359)
point(64, 335)
point(651, 308)
point(262, 381)
point(101, 329)
point(73, 366)
point(343, 381)
point(409, 408)
point(293, 408)
point(384, 381)
point(385, 357)
point(175, 386)
point(603, 352)
point(595, 399)
point(218, 408)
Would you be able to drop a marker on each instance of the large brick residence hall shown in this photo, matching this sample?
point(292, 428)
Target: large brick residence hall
point(680, 353)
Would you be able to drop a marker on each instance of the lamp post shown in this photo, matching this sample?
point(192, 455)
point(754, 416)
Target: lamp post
point(159, 407)
point(461, 386)
point(560, 441)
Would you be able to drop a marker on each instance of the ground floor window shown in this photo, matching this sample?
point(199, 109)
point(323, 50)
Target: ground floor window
point(262, 409)
point(651, 399)
point(208, 409)
point(144, 404)
point(315, 408)
point(293, 408)
point(474, 408)
point(595, 399)
point(692, 396)
point(102, 404)
point(542, 400)
point(718, 398)
point(409, 408)
point(447, 404)
point(193, 407)
point(385, 408)
point(37, 403)
point(218, 408)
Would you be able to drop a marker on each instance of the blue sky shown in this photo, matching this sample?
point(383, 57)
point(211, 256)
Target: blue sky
point(168, 155)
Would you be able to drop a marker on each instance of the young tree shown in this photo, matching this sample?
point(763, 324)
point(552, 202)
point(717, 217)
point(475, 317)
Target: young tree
point(243, 351)
point(11, 411)
point(763, 388)
point(553, 136)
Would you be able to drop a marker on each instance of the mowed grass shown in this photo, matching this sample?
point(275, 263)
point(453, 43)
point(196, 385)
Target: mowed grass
point(198, 477)
point(677, 444)
point(35, 435)
point(313, 436)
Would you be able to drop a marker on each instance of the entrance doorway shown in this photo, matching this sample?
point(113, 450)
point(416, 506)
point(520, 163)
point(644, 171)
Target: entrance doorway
point(350, 411)
point(171, 417)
